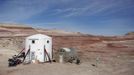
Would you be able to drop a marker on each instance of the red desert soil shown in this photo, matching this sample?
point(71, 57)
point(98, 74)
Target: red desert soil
point(107, 61)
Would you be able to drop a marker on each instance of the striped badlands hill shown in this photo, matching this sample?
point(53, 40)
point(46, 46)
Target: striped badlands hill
point(9, 30)
point(23, 30)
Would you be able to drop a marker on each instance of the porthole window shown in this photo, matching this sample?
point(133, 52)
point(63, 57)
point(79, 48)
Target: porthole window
point(33, 41)
point(47, 41)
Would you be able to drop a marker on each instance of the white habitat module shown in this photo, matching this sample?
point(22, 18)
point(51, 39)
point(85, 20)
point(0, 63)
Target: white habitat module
point(40, 47)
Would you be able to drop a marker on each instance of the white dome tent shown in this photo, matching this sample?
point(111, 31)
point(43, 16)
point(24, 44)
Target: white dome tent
point(39, 47)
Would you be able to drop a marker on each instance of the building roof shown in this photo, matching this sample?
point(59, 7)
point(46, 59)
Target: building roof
point(39, 36)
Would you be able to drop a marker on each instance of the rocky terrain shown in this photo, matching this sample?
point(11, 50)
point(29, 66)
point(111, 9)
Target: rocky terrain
point(100, 55)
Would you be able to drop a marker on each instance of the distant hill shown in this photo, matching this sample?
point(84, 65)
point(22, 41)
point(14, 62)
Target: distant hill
point(130, 33)
point(9, 25)
point(9, 30)
point(24, 30)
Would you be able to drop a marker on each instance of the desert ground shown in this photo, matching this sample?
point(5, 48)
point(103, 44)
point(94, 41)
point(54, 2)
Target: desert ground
point(92, 63)
point(99, 55)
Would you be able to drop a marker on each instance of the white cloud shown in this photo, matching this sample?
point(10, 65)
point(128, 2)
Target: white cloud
point(94, 7)
point(16, 10)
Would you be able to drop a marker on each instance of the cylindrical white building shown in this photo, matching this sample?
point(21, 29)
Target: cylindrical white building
point(40, 47)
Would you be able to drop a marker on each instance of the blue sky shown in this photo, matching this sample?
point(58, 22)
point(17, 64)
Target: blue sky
point(99, 17)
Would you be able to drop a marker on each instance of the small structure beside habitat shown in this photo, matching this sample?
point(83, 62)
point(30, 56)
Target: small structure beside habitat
point(68, 55)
